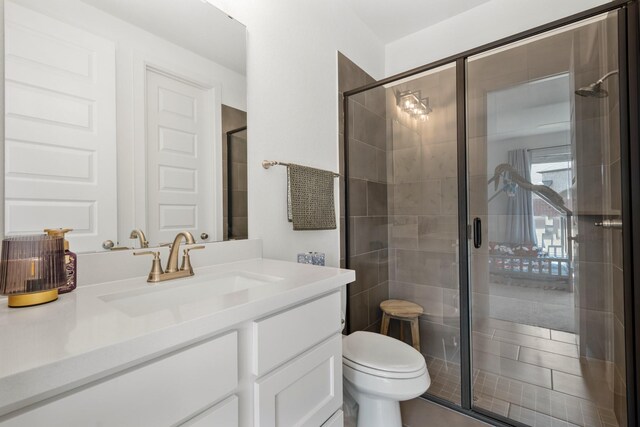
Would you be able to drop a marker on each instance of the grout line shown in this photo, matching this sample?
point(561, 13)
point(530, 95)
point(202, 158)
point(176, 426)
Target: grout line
point(498, 339)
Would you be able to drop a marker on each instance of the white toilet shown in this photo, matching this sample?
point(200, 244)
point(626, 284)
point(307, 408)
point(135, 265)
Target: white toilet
point(379, 372)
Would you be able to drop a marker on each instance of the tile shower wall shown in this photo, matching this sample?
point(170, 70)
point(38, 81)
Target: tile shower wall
point(368, 197)
point(614, 237)
point(233, 118)
point(598, 271)
point(238, 187)
point(423, 206)
point(593, 198)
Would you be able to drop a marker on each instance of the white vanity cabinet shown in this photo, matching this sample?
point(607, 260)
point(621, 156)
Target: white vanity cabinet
point(306, 390)
point(165, 391)
point(286, 373)
point(224, 413)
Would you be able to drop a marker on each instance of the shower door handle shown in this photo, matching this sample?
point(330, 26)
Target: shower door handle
point(477, 232)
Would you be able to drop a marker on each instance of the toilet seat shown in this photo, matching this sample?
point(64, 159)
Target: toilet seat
point(383, 374)
point(382, 356)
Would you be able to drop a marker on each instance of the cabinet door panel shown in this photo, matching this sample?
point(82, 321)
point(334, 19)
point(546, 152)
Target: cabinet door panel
point(305, 392)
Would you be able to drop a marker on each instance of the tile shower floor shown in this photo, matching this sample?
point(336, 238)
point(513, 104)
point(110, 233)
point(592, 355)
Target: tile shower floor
point(532, 375)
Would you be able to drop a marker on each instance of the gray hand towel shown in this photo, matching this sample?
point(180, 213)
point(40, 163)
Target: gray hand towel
point(310, 204)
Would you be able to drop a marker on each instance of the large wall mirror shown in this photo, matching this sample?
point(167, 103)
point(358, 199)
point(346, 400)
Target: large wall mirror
point(125, 120)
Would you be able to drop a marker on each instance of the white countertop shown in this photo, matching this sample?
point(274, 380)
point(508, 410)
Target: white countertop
point(49, 349)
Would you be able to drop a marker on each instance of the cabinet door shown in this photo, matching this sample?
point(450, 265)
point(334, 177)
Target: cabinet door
point(224, 414)
point(305, 392)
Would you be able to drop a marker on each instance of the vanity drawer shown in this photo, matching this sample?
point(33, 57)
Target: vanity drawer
point(162, 392)
point(305, 392)
point(284, 335)
point(224, 414)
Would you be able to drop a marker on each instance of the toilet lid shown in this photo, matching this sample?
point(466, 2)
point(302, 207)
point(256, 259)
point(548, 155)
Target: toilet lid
point(381, 353)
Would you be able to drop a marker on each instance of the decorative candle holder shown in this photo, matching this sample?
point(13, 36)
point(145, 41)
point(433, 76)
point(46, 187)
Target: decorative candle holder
point(31, 269)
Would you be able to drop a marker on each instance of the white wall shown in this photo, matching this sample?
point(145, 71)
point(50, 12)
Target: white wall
point(483, 24)
point(293, 105)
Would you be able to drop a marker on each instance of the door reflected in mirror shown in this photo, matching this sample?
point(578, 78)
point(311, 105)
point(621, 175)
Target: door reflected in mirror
point(118, 118)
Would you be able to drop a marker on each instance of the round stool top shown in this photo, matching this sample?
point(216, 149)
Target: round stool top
point(400, 308)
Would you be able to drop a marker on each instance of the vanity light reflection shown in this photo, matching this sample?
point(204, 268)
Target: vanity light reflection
point(414, 104)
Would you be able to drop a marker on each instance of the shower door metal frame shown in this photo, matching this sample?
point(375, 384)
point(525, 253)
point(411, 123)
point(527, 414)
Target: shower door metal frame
point(629, 62)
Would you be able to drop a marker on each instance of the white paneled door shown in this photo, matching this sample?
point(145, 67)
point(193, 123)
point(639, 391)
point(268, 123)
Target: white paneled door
point(180, 138)
point(60, 138)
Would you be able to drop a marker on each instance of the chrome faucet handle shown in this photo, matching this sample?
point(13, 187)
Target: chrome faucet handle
point(186, 259)
point(156, 266)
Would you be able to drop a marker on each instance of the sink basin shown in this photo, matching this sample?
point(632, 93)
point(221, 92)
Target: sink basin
point(173, 295)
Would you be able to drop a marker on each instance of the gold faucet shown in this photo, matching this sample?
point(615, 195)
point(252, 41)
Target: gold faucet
point(139, 234)
point(172, 271)
point(172, 264)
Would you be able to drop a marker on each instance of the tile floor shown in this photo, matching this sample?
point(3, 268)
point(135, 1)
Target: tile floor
point(544, 307)
point(532, 375)
point(422, 413)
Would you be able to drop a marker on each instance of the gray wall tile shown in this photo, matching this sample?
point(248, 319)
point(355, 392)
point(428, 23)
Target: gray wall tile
point(377, 199)
point(357, 197)
point(368, 198)
point(369, 127)
point(362, 161)
point(367, 275)
point(371, 234)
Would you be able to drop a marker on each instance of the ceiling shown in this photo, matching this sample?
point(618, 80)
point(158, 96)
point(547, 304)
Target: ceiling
point(391, 20)
point(534, 108)
point(192, 24)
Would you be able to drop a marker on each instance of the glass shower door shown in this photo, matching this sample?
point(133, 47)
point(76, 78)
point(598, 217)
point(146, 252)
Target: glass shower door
point(545, 275)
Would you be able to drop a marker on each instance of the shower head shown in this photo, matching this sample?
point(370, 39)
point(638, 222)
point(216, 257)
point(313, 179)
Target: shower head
point(595, 90)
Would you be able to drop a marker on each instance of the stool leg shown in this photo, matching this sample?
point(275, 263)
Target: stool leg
point(415, 333)
point(384, 327)
point(401, 331)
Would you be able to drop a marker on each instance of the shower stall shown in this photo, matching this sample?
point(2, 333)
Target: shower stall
point(493, 189)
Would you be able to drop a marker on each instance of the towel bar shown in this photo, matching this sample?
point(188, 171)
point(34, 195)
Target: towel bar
point(268, 163)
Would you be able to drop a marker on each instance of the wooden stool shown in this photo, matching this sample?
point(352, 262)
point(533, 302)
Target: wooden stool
point(404, 311)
